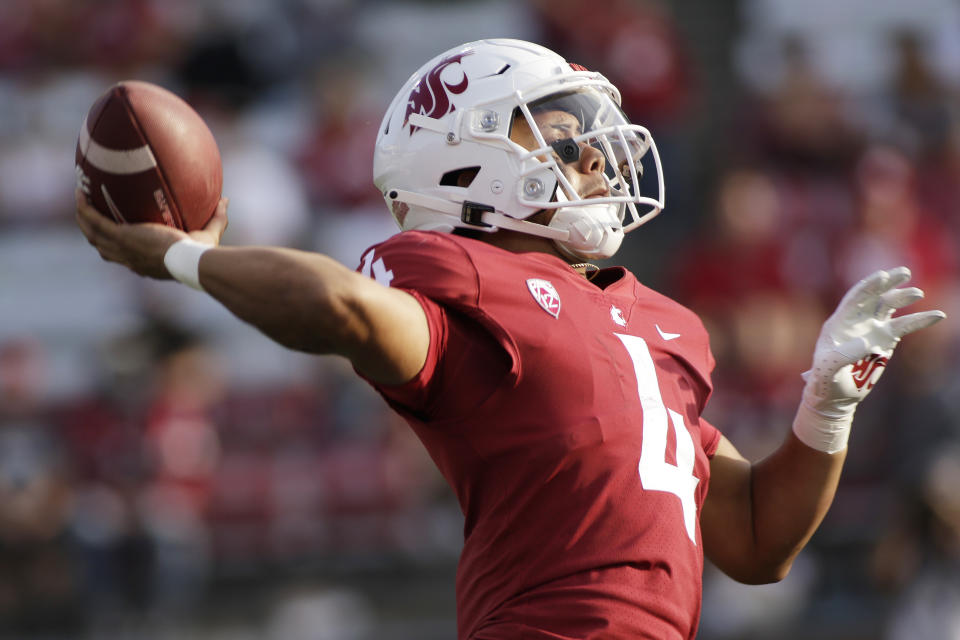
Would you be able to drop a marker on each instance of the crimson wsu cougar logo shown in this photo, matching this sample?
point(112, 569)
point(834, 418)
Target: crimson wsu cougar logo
point(431, 95)
point(863, 370)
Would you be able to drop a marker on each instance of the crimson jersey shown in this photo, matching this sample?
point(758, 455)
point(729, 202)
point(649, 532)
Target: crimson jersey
point(565, 414)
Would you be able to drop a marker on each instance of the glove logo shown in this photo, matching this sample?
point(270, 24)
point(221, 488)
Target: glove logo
point(863, 371)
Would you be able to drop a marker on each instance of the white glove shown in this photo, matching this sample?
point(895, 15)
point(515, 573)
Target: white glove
point(851, 353)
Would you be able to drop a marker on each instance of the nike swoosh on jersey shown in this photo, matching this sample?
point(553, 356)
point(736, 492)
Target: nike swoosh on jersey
point(665, 335)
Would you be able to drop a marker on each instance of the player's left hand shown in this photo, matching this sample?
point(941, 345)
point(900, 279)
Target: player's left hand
point(141, 247)
point(858, 339)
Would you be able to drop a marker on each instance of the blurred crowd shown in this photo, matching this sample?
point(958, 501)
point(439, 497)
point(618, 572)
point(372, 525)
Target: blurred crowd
point(165, 471)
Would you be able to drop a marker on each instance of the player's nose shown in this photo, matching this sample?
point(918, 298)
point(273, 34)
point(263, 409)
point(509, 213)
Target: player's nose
point(591, 160)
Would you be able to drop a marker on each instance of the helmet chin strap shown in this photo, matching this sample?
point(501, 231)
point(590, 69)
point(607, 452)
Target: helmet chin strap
point(595, 230)
point(582, 232)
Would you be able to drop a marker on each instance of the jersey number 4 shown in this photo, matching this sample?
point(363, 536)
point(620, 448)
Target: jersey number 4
point(656, 474)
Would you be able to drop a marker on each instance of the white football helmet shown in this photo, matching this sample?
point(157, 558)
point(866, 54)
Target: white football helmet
point(455, 114)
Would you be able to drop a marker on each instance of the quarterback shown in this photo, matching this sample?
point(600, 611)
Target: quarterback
point(561, 402)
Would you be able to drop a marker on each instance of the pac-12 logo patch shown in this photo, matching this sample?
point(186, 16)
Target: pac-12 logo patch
point(545, 294)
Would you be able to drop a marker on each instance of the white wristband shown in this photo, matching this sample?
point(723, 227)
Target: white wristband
point(182, 260)
point(820, 432)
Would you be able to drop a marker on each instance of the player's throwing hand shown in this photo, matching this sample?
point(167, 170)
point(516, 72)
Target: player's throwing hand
point(142, 247)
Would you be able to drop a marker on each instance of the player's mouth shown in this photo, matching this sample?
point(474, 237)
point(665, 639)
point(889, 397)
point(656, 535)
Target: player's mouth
point(600, 192)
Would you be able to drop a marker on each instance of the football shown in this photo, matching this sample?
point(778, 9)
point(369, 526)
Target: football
point(145, 155)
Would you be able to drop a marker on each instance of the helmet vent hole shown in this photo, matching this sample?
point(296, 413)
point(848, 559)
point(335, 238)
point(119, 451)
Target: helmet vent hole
point(503, 70)
point(459, 177)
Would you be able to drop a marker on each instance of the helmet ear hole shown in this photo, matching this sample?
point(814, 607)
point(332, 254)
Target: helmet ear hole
point(459, 177)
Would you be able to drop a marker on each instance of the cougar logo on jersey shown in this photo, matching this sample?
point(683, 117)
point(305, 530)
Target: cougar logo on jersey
point(864, 370)
point(431, 95)
point(546, 295)
point(617, 316)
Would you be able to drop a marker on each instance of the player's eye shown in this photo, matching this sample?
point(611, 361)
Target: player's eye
point(559, 131)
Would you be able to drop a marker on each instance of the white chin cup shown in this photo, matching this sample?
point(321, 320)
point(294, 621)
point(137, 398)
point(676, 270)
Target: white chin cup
point(595, 230)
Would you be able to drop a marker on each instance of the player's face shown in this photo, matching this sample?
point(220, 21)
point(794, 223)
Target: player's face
point(584, 173)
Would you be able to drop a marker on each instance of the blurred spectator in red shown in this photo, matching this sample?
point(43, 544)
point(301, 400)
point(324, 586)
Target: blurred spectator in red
point(634, 42)
point(110, 34)
point(19, 42)
point(335, 157)
point(183, 444)
point(735, 277)
point(741, 248)
point(800, 133)
point(267, 498)
point(938, 182)
point(38, 584)
point(893, 228)
point(181, 435)
point(22, 377)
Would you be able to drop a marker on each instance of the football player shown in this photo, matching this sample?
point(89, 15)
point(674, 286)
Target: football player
point(562, 402)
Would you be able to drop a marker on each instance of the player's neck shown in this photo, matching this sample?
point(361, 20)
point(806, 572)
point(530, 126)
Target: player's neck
point(521, 242)
point(524, 243)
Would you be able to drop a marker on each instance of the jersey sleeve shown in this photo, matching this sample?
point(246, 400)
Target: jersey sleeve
point(709, 437)
point(467, 348)
point(425, 262)
point(414, 396)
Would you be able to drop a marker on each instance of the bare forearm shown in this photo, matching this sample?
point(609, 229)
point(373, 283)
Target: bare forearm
point(304, 301)
point(791, 492)
point(310, 302)
point(758, 516)
point(293, 297)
